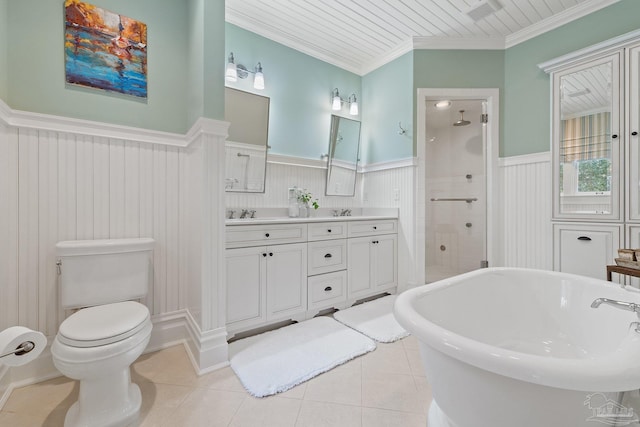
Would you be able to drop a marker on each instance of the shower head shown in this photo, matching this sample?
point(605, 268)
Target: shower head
point(462, 121)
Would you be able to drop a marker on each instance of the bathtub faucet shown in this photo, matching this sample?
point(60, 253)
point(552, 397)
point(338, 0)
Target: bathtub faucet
point(630, 306)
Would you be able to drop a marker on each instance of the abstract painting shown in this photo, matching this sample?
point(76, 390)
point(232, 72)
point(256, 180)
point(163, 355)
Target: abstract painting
point(105, 50)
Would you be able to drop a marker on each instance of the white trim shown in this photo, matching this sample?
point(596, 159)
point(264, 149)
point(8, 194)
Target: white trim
point(391, 164)
point(525, 159)
point(207, 351)
point(38, 121)
point(459, 43)
point(573, 13)
point(395, 53)
point(493, 220)
point(599, 49)
point(281, 159)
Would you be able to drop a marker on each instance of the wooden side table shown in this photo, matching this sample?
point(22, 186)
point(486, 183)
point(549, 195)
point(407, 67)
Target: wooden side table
point(635, 272)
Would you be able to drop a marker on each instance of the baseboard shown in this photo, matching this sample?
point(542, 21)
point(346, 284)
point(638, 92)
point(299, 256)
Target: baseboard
point(207, 351)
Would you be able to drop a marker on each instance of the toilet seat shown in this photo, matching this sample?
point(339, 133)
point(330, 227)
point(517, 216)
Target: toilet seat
point(103, 324)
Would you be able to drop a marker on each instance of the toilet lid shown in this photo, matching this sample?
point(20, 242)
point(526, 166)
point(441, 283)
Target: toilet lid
point(103, 324)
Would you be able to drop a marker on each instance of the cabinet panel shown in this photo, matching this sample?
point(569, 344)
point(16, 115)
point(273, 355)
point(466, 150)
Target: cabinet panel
point(256, 235)
point(327, 256)
point(385, 262)
point(246, 286)
point(325, 290)
point(588, 136)
point(372, 228)
point(359, 267)
point(327, 230)
point(633, 133)
point(585, 249)
point(286, 280)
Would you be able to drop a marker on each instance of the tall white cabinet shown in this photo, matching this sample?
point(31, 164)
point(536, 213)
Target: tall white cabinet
point(596, 157)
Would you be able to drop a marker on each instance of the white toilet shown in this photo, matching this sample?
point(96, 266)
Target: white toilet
point(97, 344)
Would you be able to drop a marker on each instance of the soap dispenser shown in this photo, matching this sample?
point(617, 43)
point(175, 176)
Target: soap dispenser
point(294, 209)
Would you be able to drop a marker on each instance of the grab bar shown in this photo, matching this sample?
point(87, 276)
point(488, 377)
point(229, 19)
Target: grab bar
point(468, 200)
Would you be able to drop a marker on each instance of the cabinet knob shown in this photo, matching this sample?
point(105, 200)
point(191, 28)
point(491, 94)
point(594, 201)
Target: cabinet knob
point(329, 231)
point(264, 254)
point(634, 133)
point(585, 238)
point(328, 289)
point(270, 253)
point(375, 228)
point(266, 235)
point(327, 256)
point(614, 136)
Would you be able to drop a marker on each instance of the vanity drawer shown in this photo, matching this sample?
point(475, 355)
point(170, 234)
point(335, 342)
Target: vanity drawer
point(372, 228)
point(240, 236)
point(326, 290)
point(326, 256)
point(327, 230)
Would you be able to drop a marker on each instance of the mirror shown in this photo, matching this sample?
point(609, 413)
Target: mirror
point(344, 144)
point(246, 147)
point(584, 139)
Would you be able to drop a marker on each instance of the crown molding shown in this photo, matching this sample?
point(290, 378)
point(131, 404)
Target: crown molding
point(278, 35)
point(573, 13)
point(48, 122)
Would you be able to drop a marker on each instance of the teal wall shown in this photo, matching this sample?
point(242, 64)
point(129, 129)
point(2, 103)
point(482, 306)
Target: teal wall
point(388, 92)
point(36, 64)
point(299, 88)
point(460, 69)
point(4, 42)
point(527, 103)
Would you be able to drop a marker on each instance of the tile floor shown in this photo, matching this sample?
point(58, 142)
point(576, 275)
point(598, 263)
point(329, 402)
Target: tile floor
point(386, 387)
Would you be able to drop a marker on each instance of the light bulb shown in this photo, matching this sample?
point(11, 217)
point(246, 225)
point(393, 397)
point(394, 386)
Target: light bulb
point(258, 80)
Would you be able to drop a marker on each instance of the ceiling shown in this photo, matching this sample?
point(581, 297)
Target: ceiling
point(361, 35)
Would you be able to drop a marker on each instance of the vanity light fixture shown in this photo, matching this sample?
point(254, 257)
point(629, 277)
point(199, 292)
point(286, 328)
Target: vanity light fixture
point(239, 71)
point(442, 105)
point(336, 102)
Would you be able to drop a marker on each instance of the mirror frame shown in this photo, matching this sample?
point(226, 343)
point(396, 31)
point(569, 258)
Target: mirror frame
point(332, 162)
point(239, 148)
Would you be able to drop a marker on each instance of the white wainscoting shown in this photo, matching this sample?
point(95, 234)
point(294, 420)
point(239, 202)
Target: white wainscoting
point(526, 194)
point(66, 179)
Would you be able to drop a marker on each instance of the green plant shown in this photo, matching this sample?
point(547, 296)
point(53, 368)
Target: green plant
point(305, 196)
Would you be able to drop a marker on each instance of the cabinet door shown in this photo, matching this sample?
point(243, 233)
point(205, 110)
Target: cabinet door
point(384, 263)
point(585, 249)
point(246, 286)
point(587, 141)
point(633, 133)
point(359, 278)
point(286, 280)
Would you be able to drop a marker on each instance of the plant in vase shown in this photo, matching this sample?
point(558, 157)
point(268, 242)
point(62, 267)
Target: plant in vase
point(304, 197)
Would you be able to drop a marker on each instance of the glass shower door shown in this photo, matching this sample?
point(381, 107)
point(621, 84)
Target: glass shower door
point(455, 189)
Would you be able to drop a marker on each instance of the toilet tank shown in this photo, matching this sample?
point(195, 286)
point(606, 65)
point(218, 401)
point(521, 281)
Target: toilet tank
point(96, 272)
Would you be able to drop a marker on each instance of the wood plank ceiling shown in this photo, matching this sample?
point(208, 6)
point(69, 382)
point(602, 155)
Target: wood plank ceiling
point(361, 35)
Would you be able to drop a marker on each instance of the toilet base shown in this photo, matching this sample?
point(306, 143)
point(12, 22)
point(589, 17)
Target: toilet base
point(124, 415)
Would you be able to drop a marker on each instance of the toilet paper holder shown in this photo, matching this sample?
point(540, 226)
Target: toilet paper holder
point(20, 350)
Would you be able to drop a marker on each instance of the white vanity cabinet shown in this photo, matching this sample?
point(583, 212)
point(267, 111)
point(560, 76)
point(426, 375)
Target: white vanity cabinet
point(292, 269)
point(372, 258)
point(265, 283)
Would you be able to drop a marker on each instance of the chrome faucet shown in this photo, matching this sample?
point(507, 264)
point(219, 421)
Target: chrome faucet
point(629, 306)
point(345, 212)
point(244, 213)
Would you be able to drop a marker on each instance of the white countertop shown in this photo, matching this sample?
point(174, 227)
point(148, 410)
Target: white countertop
point(287, 220)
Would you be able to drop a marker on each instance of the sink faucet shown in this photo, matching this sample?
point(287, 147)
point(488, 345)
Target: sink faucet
point(244, 213)
point(345, 212)
point(629, 306)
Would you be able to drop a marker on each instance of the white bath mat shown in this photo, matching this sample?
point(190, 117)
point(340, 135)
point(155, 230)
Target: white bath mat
point(278, 360)
point(375, 319)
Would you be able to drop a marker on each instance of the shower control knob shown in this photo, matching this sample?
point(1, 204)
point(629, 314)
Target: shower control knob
point(443, 248)
point(468, 225)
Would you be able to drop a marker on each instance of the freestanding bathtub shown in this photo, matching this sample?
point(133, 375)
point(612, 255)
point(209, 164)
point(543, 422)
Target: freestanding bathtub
point(508, 347)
